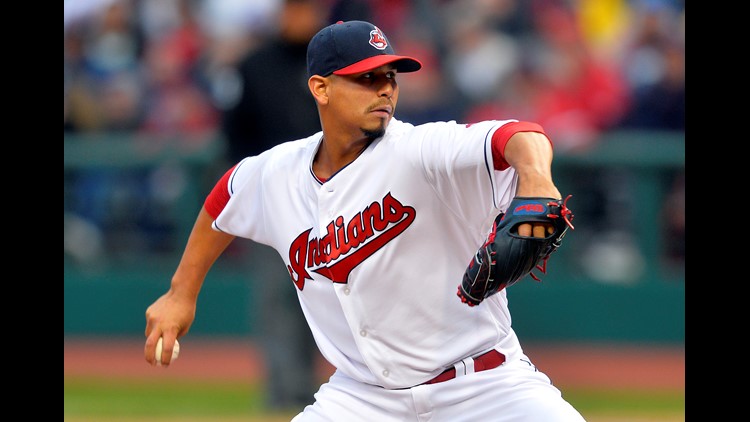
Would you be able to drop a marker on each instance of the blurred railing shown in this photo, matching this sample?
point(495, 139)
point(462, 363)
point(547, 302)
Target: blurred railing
point(131, 201)
point(629, 178)
point(135, 197)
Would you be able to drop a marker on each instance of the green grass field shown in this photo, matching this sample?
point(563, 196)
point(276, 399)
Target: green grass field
point(111, 400)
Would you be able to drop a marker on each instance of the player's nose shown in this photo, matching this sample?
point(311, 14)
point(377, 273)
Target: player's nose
point(386, 89)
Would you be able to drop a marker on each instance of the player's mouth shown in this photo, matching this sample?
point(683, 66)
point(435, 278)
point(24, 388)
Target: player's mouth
point(384, 111)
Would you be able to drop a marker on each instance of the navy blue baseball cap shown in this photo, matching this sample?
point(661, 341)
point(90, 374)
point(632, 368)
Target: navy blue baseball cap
point(345, 48)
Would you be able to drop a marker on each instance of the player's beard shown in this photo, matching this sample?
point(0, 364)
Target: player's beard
point(374, 134)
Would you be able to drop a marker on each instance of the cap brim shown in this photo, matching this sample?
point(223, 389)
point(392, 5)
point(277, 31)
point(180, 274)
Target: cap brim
point(402, 63)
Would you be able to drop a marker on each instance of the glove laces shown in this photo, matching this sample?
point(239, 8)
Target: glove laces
point(567, 216)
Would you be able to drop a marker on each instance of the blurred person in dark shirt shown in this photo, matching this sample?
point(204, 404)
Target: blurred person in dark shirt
point(271, 105)
point(654, 62)
point(661, 105)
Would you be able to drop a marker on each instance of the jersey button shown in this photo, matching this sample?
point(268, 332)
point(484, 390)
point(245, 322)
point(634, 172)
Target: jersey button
point(386, 373)
point(346, 291)
point(363, 333)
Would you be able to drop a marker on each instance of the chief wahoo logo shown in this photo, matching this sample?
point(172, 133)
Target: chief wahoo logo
point(377, 39)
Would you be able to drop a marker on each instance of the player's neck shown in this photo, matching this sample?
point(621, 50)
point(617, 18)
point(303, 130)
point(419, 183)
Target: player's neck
point(332, 157)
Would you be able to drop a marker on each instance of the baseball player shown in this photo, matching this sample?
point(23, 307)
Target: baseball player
point(376, 220)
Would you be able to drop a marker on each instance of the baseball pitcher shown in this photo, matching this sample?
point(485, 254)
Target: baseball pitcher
point(401, 242)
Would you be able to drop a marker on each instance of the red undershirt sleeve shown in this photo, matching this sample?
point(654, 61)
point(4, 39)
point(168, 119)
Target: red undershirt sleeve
point(219, 196)
point(502, 135)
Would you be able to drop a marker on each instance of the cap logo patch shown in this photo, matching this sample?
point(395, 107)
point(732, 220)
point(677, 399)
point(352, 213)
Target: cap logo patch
point(377, 39)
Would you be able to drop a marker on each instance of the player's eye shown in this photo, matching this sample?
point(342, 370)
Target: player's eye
point(368, 79)
point(375, 78)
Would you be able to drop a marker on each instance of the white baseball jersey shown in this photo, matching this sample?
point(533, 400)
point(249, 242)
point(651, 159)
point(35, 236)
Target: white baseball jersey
point(376, 252)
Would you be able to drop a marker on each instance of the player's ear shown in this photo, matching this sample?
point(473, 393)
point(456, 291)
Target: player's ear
point(318, 88)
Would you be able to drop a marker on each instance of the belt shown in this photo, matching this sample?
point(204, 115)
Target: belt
point(483, 362)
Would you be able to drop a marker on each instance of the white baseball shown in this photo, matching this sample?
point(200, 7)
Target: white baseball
point(175, 351)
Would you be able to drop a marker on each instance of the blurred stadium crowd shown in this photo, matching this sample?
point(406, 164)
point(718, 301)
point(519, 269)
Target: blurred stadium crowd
point(165, 68)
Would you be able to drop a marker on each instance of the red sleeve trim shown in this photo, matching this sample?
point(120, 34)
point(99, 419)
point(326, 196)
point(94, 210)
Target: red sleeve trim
point(502, 135)
point(219, 196)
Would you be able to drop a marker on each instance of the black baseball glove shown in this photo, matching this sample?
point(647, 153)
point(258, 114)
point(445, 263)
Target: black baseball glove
point(506, 257)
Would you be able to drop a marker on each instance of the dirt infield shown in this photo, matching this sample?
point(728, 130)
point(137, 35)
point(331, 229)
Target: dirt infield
point(569, 365)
